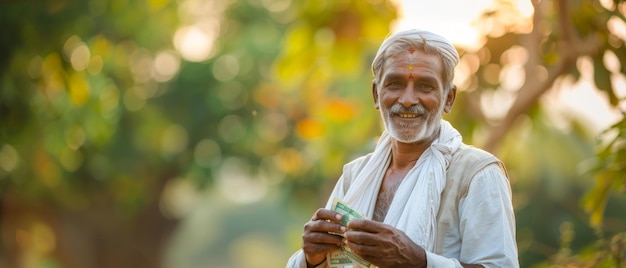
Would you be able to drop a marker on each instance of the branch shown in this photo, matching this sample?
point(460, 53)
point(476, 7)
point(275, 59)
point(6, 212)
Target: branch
point(526, 99)
point(570, 47)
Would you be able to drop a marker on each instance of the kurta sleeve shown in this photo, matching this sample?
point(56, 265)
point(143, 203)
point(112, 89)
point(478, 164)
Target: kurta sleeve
point(437, 261)
point(297, 260)
point(487, 221)
point(486, 224)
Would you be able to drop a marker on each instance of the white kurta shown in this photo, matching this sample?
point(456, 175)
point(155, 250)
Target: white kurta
point(484, 234)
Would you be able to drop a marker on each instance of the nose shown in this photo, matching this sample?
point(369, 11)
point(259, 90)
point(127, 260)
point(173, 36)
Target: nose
point(408, 97)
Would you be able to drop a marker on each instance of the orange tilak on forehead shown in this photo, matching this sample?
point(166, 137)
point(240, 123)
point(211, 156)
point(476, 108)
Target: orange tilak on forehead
point(411, 50)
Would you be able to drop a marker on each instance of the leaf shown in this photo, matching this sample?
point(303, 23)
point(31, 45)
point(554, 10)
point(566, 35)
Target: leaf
point(602, 79)
point(595, 202)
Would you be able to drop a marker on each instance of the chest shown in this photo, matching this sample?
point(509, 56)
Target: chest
point(388, 188)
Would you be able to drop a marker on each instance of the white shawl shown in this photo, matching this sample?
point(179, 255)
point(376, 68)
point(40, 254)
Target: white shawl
point(416, 202)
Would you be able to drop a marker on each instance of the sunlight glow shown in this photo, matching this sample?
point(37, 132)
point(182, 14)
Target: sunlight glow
point(193, 43)
point(525, 8)
point(461, 23)
point(455, 26)
point(580, 101)
point(457, 21)
point(617, 27)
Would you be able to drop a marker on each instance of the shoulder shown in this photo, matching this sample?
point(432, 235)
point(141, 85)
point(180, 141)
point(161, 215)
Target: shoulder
point(469, 160)
point(466, 164)
point(352, 168)
point(357, 164)
point(472, 154)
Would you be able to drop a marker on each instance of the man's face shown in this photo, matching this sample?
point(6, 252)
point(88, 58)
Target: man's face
point(410, 96)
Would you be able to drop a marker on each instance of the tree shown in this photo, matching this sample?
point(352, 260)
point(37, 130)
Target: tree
point(108, 107)
point(565, 36)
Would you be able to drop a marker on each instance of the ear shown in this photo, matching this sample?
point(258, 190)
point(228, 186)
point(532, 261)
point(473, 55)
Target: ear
point(450, 97)
point(375, 94)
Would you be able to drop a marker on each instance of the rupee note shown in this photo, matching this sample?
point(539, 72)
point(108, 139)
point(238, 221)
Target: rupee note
point(344, 257)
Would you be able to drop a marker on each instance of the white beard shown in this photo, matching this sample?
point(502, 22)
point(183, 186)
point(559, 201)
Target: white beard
point(412, 132)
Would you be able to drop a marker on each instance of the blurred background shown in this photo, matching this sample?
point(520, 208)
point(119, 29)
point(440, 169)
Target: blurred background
point(205, 133)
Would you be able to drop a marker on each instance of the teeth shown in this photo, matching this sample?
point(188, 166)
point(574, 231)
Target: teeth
point(407, 115)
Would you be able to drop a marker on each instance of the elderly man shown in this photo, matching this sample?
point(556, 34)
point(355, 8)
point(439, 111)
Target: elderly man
point(432, 200)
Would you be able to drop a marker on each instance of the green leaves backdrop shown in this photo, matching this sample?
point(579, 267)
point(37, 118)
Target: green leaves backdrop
point(191, 133)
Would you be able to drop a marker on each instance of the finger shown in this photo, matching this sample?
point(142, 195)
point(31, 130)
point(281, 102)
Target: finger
point(321, 238)
point(326, 214)
point(365, 251)
point(366, 225)
point(361, 238)
point(320, 243)
point(312, 249)
point(324, 227)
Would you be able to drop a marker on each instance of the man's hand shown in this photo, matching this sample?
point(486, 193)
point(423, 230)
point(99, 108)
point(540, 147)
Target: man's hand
point(316, 239)
point(383, 245)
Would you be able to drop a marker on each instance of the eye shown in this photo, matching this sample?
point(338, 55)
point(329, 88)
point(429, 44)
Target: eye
point(426, 87)
point(393, 85)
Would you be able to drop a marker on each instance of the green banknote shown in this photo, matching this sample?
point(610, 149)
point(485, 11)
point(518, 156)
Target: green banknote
point(344, 257)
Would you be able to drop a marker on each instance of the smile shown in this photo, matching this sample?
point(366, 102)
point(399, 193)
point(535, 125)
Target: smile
point(407, 115)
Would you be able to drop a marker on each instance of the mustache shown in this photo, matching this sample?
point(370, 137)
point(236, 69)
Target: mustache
point(416, 109)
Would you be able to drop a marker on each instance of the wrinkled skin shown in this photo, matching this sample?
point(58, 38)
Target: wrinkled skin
point(316, 239)
point(379, 243)
point(383, 245)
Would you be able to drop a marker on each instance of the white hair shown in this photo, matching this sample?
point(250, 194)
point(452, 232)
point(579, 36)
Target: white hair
point(426, 41)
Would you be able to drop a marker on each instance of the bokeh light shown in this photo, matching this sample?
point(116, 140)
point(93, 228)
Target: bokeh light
point(9, 158)
point(194, 43)
point(195, 133)
point(237, 184)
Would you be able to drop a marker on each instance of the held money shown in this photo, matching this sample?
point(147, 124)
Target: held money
point(344, 257)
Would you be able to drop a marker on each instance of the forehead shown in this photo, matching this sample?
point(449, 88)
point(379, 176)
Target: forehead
point(413, 61)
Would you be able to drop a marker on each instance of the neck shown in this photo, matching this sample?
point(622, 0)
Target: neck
point(404, 155)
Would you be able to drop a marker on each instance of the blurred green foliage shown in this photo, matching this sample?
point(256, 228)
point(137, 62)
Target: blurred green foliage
point(204, 133)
